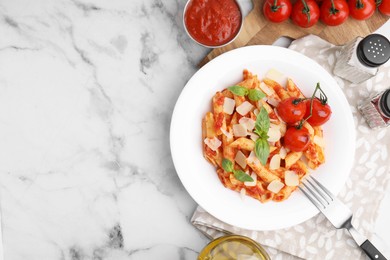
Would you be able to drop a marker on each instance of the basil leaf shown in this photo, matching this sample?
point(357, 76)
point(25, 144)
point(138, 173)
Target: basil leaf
point(227, 165)
point(262, 150)
point(264, 136)
point(242, 176)
point(262, 121)
point(259, 133)
point(238, 90)
point(255, 94)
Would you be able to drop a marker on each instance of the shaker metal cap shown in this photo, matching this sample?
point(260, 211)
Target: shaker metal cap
point(374, 50)
point(384, 103)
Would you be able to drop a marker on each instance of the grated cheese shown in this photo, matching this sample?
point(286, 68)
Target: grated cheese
point(240, 159)
point(267, 90)
point(227, 134)
point(213, 143)
point(273, 134)
point(291, 178)
point(239, 130)
point(276, 76)
point(251, 183)
point(283, 153)
point(228, 105)
point(274, 163)
point(248, 122)
point(244, 108)
point(275, 186)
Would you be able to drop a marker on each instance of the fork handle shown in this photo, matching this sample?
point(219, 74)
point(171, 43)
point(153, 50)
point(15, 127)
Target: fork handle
point(371, 251)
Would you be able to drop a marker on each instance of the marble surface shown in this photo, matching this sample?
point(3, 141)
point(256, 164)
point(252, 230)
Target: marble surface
point(87, 89)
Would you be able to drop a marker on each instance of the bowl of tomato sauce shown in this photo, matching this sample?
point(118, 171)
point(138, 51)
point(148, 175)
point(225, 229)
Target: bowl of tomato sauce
point(213, 23)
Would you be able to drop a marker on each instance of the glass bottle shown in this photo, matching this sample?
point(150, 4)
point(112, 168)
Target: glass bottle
point(233, 247)
point(376, 110)
point(359, 60)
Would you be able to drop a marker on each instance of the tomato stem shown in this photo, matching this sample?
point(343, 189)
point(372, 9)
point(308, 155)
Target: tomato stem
point(359, 4)
point(299, 100)
point(333, 9)
point(306, 10)
point(323, 98)
point(378, 2)
point(275, 7)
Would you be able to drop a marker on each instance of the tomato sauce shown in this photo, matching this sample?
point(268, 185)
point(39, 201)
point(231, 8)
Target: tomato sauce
point(213, 22)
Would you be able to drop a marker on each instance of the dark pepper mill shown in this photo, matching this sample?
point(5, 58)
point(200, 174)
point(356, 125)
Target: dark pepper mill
point(377, 110)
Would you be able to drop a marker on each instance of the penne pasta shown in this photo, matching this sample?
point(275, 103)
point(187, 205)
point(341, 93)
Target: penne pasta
point(231, 134)
point(247, 74)
point(209, 125)
point(246, 83)
point(219, 116)
point(293, 90)
point(239, 100)
point(261, 171)
point(229, 152)
point(256, 83)
point(292, 158)
point(284, 193)
point(280, 91)
point(243, 143)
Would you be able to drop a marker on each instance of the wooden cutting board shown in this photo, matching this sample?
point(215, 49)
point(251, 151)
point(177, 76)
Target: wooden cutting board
point(258, 30)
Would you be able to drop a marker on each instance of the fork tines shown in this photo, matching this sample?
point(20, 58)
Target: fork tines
point(316, 192)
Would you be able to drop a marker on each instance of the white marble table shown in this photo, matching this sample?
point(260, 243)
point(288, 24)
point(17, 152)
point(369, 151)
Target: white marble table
point(87, 89)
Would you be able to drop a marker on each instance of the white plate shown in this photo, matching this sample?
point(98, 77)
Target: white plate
point(200, 178)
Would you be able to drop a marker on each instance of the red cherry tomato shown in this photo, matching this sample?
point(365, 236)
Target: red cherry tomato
point(384, 7)
point(334, 12)
point(361, 9)
point(296, 140)
point(291, 110)
point(305, 13)
point(277, 10)
point(320, 114)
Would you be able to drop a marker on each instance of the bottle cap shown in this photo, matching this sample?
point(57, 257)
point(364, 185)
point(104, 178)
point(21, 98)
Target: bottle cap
point(374, 50)
point(384, 103)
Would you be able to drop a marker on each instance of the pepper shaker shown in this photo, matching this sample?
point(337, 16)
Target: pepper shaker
point(359, 59)
point(376, 111)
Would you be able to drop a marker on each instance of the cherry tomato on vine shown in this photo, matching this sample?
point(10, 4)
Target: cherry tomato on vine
point(334, 12)
point(291, 110)
point(277, 11)
point(297, 140)
point(320, 114)
point(305, 13)
point(361, 9)
point(384, 7)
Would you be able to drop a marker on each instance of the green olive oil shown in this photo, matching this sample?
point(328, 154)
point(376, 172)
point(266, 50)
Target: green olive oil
point(233, 247)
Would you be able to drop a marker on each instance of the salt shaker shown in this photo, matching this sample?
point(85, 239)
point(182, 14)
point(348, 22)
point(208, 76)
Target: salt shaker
point(376, 110)
point(359, 59)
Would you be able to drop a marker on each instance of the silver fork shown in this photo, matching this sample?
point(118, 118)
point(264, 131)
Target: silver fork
point(337, 213)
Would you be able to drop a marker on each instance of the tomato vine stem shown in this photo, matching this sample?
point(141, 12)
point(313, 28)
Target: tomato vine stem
point(306, 10)
point(323, 99)
point(333, 9)
point(275, 7)
point(359, 4)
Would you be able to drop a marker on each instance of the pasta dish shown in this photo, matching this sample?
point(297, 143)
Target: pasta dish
point(264, 135)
